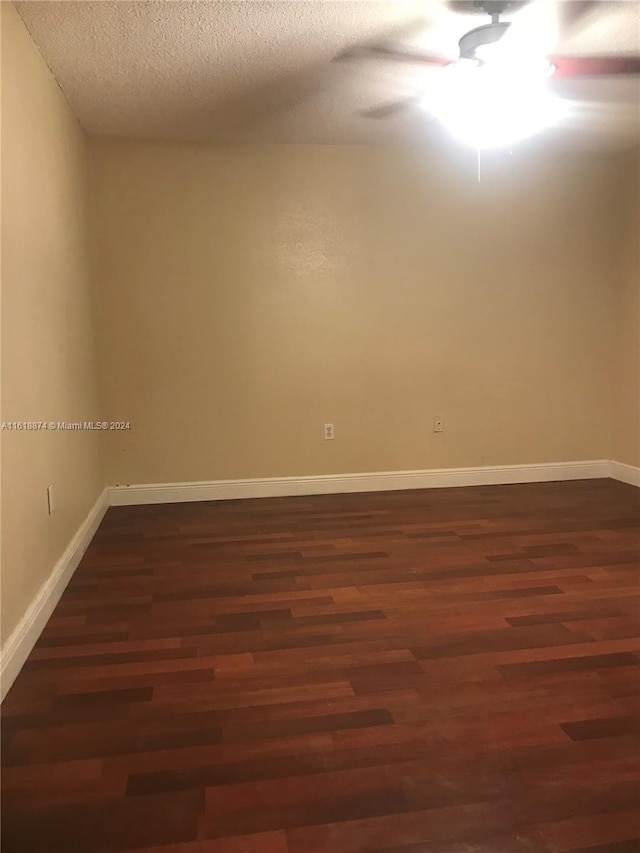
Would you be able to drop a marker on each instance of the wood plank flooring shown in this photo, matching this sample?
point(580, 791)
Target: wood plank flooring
point(442, 671)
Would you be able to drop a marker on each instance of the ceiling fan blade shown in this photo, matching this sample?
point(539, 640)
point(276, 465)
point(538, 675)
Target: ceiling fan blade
point(594, 66)
point(383, 51)
point(390, 109)
point(573, 12)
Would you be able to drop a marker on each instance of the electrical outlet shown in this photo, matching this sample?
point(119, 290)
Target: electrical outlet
point(50, 499)
point(329, 432)
point(438, 423)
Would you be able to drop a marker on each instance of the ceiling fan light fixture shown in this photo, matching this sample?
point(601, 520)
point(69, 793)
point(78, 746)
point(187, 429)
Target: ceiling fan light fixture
point(525, 64)
point(489, 105)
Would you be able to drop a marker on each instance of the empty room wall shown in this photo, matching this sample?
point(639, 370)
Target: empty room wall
point(48, 359)
point(248, 295)
point(626, 410)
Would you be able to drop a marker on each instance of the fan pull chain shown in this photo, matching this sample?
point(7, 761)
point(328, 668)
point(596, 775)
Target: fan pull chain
point(479, 165)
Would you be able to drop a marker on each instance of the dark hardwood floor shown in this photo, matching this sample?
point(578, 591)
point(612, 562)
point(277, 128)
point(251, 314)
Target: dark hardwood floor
point(440, 671)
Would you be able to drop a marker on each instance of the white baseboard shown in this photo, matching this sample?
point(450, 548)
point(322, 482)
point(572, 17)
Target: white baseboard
point(23, 638)
point(625, 473)
point(154, 493)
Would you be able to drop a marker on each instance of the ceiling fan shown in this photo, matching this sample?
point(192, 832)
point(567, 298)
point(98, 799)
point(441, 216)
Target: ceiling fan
point(497, 90)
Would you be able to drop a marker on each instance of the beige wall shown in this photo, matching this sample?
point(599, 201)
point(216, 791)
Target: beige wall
point(248, 295)
point(48, 363)
point(626, 410)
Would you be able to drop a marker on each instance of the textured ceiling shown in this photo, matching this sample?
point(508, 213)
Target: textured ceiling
point(262, 71)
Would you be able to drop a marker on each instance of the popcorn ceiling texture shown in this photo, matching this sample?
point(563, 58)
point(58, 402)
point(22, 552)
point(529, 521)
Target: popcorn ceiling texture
point(262, 71)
